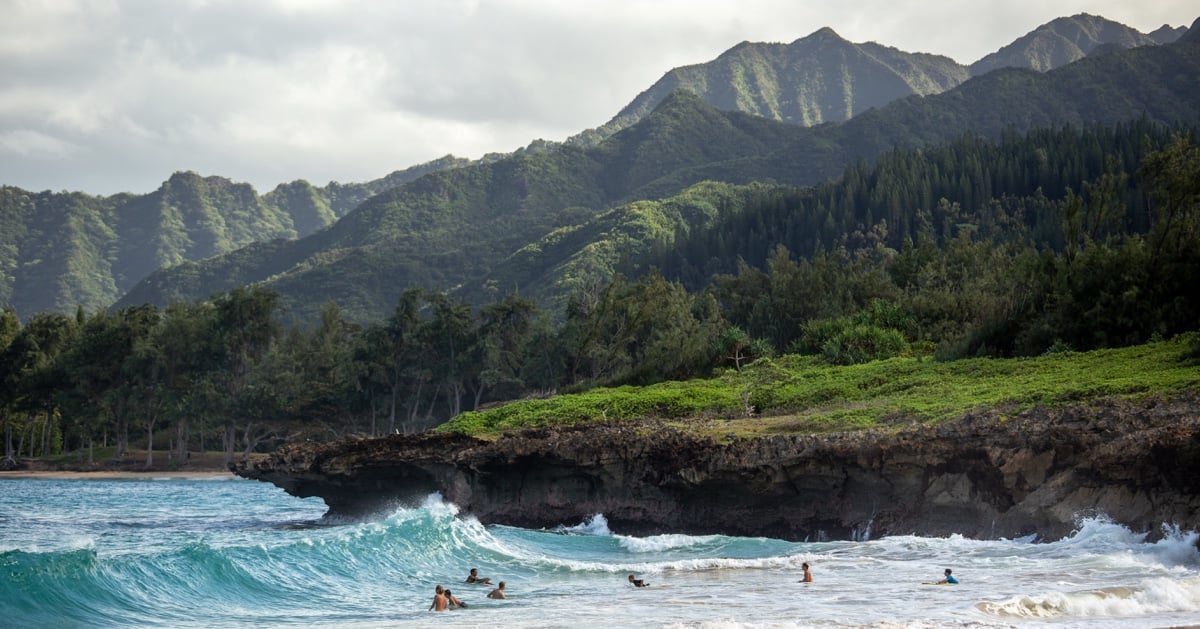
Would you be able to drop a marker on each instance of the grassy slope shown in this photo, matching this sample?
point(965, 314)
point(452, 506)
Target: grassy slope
point(796, 394)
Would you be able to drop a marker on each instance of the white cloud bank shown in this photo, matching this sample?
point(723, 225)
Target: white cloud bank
point(114, 95)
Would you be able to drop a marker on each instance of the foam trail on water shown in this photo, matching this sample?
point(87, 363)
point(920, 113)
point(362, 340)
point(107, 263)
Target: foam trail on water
point(660, 543)
point(1154, 596)
point(597, 525)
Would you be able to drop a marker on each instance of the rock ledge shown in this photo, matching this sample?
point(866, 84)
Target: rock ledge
point(985, 475)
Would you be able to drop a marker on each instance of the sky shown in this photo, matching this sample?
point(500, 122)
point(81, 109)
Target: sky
point(107, 96)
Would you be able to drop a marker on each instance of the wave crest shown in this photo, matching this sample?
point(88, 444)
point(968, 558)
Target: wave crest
point(1155, 596)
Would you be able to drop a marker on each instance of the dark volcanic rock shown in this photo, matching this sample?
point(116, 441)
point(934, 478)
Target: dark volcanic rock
point(987, 474)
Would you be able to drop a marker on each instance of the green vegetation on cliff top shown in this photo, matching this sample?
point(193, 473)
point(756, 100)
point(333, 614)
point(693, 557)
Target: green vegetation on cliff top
point(803, 394)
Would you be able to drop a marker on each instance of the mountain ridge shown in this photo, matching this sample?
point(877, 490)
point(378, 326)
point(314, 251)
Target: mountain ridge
point(891, 73)
point(61, 251)
point(673, 149)
point(40, 269)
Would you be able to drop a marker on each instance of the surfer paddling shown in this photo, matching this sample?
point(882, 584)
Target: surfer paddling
point(948, 579)
point(637, 583)
point(475, 578)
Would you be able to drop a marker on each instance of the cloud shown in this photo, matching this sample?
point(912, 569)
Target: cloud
point(114, 95)
point(35, 145)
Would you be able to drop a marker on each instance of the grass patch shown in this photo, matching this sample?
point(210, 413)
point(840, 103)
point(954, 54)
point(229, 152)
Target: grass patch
point(801, 394)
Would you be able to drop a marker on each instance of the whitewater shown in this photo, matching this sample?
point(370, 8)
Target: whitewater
point(235, 553)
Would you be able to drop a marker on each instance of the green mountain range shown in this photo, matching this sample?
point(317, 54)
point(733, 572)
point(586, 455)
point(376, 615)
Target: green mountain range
point(550, 219)
point(470, 229)
point(451, 227)
point(1069, 39)
point(63, 250)
point(816, 79)
point(824, 78)
point(1159, 83)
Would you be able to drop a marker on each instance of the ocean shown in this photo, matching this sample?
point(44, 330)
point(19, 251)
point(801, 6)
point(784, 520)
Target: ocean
point(224, 552)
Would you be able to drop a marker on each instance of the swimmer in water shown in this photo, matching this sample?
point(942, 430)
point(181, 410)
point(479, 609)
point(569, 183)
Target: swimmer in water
point(439, 600)
point(807, 574)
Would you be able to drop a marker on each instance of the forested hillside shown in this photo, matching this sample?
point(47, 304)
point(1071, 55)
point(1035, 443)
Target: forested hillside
point(815, 79)
point(1040, 243)
point(1138, 84)
point(453, 226)
point(1068, 39)
point(824, 78)
point(65, 250)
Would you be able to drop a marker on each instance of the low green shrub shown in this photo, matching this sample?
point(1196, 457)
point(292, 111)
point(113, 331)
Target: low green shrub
point(864, 394)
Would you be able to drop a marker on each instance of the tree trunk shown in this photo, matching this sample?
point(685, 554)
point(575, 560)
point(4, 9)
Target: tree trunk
point(47, 434)
point(432, 402)
point(414, 405)
point(91, 453)
point(21, 440)
point(33, 437)
point(181, 439)
point(392, 405)
point(227, 442)
point(249, 439)
point(478, 397)
point(454, 396)
point(372, 400)
point(150, 440)
point(151, 419)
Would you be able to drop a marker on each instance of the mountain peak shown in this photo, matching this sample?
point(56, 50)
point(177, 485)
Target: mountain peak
point(1167, 34)
point(1192, 36)
point(823, 35)
point(682, 99)
point(1061, 41)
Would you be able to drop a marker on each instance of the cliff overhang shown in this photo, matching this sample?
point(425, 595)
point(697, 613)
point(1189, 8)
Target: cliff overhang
point(987, 474)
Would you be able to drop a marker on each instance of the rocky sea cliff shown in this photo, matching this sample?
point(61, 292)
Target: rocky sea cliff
point(987, 474)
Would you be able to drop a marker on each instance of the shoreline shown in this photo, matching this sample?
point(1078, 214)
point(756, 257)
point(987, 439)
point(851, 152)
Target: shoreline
point(114, 474)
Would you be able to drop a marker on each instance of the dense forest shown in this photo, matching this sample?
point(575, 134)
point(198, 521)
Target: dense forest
point(1041, 242)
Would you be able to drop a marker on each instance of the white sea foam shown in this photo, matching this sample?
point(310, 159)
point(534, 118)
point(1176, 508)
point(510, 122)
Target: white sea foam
point(660, 543)
point(1153, 596)
point(596, 525)
point(696, 564)
point(380, 574)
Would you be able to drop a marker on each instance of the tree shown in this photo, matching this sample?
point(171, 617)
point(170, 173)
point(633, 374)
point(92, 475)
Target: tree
point(503, 345)
point(186, 356)
point(10, 327)
point(1174, 174)
point(245, 327)
point(34, 373)
point(449, 336)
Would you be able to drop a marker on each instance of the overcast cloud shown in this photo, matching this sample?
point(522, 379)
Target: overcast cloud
point(107, 96)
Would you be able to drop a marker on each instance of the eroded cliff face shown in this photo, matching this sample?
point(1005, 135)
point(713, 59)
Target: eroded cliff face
point(985, 475)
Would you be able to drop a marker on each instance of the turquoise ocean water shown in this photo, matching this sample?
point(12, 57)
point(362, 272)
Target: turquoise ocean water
point(236, 553)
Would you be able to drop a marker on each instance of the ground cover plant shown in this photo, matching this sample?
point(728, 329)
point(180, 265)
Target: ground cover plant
point(808, 394)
